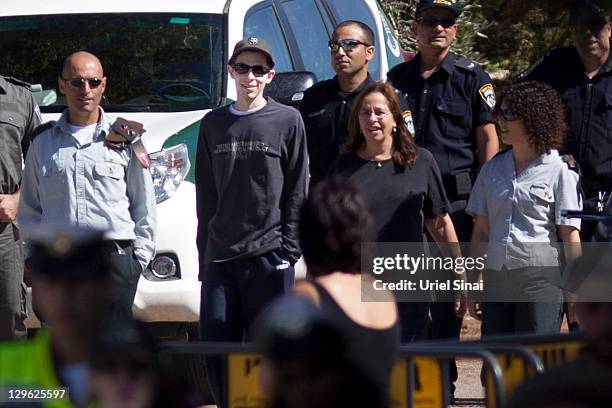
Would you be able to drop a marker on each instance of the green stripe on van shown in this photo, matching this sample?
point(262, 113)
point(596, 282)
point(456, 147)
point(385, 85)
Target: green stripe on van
point(189, 136)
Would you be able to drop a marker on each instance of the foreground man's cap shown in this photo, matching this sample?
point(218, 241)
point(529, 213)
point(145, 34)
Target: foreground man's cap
point(69, 253)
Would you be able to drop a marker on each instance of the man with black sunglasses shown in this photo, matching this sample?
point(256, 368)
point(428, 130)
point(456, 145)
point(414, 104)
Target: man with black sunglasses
point(450, 102)
point(19, 117)
point(327, 104)
point(74, 176)
point(251, 177)
point(582, 74)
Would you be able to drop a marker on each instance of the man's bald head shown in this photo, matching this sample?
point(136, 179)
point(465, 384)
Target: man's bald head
point(80, 58)
point(82, 82)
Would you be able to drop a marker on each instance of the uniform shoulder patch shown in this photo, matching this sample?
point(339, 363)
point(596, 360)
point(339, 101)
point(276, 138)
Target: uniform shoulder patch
point(407, 116)
point(488, 95)
point(16, 81)
point(41, 129)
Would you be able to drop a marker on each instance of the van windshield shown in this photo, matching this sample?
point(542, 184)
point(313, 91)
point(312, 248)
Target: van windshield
point(153, 62)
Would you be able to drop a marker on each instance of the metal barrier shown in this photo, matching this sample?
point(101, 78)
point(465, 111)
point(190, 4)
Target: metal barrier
point(419, 378)
point(428, 370)
point(554, 350)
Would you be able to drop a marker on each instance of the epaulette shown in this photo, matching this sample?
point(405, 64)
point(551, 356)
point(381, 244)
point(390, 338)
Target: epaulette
point(529, 69)
point(397, 69)
point(17, 82)
point(41, 128)
point(466, 64)
point(550, 57)
point(571, 163)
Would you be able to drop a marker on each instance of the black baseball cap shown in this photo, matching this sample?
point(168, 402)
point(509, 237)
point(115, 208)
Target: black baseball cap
point(451, 5)
point(257, 44)
point(68, 253)
point(586, 13)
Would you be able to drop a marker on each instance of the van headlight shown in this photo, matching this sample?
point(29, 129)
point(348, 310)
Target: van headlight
point(168, 168)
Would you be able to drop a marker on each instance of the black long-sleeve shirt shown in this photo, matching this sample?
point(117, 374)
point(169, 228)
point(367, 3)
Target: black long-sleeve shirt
point(251, 178)
point(589, 108)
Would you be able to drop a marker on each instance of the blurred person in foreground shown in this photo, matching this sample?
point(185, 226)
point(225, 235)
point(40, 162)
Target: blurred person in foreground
point(306, 363)
point(401, 186)
point(584, 382)
point(126, 372)
point(71, 292)
point(334, 223)
point(517, 204)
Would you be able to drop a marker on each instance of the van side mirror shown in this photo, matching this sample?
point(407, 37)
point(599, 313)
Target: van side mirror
point(288, 87)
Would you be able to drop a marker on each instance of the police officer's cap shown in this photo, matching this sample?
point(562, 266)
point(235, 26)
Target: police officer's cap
point(451, 5)
point(586, 13)
point(68, 253)
point(256, 44)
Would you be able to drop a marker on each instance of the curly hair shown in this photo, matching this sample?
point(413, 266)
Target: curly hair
point(542, 111)
point(334, 221)
point(404, 151)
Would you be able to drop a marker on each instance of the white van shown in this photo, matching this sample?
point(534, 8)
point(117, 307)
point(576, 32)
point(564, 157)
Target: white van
point(166, 67)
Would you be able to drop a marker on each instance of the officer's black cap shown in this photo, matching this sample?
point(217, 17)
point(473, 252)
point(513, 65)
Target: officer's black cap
point(451, 5)
point(586, 13)
point(293, 328)
point(256, 44)
point(68, 253)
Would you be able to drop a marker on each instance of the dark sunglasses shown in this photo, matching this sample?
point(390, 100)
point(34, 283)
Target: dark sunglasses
point(594, 25)
point(257, 70)
point(505, 114)
point(347, 44)
point(433, 21)
point(79, 82)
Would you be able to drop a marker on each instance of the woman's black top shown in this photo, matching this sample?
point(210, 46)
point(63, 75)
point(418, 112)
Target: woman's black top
point(372, 350)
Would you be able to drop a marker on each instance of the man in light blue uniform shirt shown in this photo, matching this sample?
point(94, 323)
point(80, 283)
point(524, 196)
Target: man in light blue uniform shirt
point(73, 176)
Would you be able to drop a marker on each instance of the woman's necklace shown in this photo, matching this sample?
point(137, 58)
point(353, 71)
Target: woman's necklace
point(376, 159)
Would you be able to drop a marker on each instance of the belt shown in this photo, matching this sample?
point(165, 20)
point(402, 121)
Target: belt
point(120, 243)
point(458, 185)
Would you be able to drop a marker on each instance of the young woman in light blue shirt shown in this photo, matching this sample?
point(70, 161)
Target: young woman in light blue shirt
point(517, 204)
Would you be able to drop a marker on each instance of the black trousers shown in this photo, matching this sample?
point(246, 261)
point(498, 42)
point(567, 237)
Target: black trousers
point(444, 323)
point(233, 295)
point(125, 274)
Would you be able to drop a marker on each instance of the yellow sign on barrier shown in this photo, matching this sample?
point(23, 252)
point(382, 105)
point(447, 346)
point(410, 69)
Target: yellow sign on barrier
point(428, 386)
point(399, 384)
point(515, 371)
point(243, 381)
point(428, 389)
point(554, 355)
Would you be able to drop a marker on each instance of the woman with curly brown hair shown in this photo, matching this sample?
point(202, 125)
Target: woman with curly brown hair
point(400, 182)
point(517, 204)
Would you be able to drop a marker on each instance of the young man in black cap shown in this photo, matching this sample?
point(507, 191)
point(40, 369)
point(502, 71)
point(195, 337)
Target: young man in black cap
point(251, 178)
point(450, 102)
point(327, 104)
point(71, 292)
